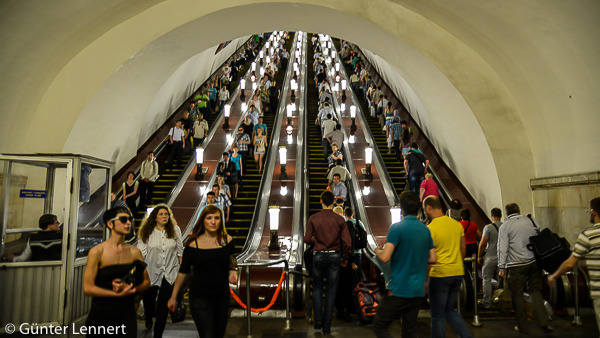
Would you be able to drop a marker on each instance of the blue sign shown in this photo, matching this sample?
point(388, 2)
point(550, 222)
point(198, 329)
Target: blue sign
point(26, 193)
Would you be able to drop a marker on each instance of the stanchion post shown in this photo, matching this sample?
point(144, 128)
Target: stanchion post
point(576, 318)
point(476, 321)
point(248, 308)
point(288, 323)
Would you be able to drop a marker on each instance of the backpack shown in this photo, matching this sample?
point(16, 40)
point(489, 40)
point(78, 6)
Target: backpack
point(549, 249)
point(358, 235)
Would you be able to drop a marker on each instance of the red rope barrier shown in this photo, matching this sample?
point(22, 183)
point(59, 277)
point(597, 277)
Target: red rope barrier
point(244, 306)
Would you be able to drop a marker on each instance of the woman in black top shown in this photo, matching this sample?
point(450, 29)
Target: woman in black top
point(208, 250)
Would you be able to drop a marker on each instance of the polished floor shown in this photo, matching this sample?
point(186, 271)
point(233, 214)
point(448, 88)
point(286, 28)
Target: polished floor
point(267, 327)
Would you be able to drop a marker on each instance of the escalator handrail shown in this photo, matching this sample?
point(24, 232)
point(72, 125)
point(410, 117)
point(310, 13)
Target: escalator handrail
point(300, 213)
point(264, 189)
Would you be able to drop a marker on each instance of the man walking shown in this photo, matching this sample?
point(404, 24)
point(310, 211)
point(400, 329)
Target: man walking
point(518, 264)
point(329, 233)
point(446, 275)
point(487, 256)
point(409, 246)
point(584, 248)
point(176, 138)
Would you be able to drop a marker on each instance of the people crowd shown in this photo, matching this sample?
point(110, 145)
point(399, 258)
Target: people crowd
point(425, 250)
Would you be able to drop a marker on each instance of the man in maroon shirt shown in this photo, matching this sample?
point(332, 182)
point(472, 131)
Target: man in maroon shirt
point(325, 229)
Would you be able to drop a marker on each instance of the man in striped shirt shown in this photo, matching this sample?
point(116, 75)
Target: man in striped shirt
point(586, 247)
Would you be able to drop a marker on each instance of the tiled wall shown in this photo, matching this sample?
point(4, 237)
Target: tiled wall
point(563, 208)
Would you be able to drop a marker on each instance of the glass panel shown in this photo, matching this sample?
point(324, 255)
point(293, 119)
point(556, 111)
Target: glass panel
point(35, 190)
point(93, 199)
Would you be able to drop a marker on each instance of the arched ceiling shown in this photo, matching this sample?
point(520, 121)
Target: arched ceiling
point(518, 80)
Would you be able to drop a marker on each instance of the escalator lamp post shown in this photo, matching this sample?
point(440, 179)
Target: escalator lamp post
point(344, 85)
point(290, 110)
point(254, 86)
point(243, 88)
point(283, 162)
point(353, 115)
point(328, 44)
point(342, 106)
point(333, 56)
point(253, 65)
point(337, 64)
point(226, 110)
point(293, 87)
point(199, 161)
point(149, 210)
point(299, 43)
point(396, 214)
point(368, 160)
point(274, 227)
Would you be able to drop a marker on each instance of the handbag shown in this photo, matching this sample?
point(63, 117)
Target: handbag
point(180, 310)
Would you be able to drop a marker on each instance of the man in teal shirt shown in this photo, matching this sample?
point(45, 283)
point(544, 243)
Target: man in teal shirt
point(409, 246)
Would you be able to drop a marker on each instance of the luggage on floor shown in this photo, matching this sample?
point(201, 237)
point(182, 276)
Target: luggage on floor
point(366, 299)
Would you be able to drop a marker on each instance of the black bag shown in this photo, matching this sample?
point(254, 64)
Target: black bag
point(358, 234)
point(135, 276)
point(308, 258)
point(550, 250)
point(180, 310)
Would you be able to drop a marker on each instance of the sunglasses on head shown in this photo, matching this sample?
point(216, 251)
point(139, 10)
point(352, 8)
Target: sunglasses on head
point(123, 219)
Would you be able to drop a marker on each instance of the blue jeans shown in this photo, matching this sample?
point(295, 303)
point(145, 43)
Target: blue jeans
point(443, 294)
point(415, 180)
point(325, 265)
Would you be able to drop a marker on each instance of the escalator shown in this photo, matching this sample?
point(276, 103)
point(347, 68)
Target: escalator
point(244, 205)
point(317, 163)
point(394, 167)
point(170, 174)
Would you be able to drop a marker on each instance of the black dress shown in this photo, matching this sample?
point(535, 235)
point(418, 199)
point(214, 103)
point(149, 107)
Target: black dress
point(130, 201)
point(113, 311)
point(209, 287)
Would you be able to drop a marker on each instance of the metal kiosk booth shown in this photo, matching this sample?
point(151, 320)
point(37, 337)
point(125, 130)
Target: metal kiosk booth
point(76, 189)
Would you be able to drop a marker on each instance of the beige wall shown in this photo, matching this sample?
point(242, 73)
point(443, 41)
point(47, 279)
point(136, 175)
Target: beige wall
point(526, 71)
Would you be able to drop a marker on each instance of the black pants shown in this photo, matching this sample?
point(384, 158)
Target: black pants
point(344, 298)
point(176, 153)
point(146, 190)
point(210, 315)
point(527, 278)
point(151, 302)
point(397, 150)
point(390, 308)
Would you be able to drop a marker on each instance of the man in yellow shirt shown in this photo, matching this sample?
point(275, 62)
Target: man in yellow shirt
point(446, 274)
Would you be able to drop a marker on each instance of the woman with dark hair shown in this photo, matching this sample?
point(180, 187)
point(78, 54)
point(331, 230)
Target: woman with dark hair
point(130, 188)
point(162, 248)
point(454, 211)
point(208, 250)
point(114, 273)
point(471, 232)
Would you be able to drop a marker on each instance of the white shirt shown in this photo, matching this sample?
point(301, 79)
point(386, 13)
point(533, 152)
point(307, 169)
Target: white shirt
point(162, 255)
point(178, 134)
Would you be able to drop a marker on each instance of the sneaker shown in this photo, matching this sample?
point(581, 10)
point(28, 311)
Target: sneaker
point(547, 329)
point(483, 305)
point(318, 325)
point(520, 330)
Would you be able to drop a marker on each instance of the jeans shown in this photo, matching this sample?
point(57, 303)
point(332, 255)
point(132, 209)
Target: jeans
point(325, 265)
point(390, 308)
point(176, 153)
point(325, 147)
point(519, 279)
point(488, 271)
point(162, 312)
point(210, 315)
point(443, 294)
point(415, 180)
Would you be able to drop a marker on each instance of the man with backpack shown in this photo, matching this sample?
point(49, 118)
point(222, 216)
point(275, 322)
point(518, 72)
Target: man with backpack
point(489, 259)
point(409, 246)
point(358, 234)
point(415, 164)
point(518, 264)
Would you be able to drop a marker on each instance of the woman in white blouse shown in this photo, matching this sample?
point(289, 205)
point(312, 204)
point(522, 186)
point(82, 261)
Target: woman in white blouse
point(162, 248)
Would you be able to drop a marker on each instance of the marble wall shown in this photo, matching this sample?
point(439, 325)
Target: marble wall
point(561, 206)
